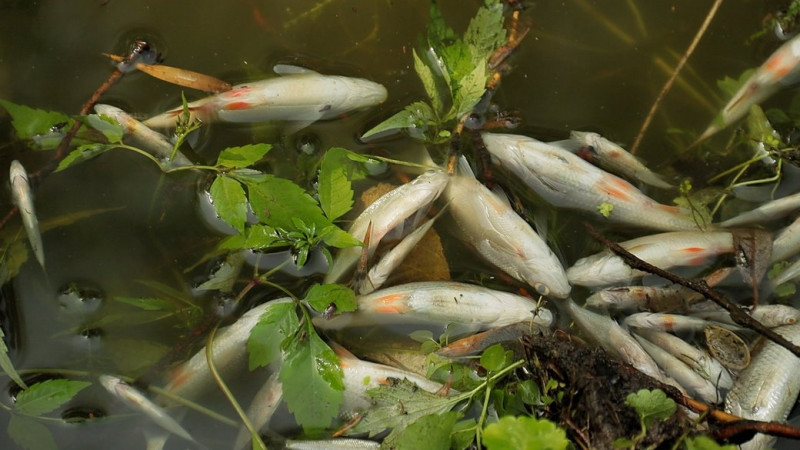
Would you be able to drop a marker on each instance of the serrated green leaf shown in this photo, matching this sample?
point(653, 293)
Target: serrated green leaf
point(230, 201)
point(277, 323)
point(106, 125)
point(415, 117)
point(425, 75)
point(335, 192)
point(41, 398)
point(225, 277)
point(336, 237)
point(706, 443)
point(463, 434)
point(430, 432)
point(651, 405)
point(83, 153)
point(244, 156)
point(438, 31)
point(29, 122)
point(6, 364)
point(470, 90)
point(30, 434)
point(322, 295)
point(524, 433)
point(312, 379)
point(485, 32)
point(147, 303)
point(277, 202)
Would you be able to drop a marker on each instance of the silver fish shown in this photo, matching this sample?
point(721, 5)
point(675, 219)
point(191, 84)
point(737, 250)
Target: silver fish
point(643, 298)
point(442, 302)
point(22, 197)
point(767, 389)
point(770, 316)
point(137, 401)
point(262, 407)
point(140, 135)
point(565, 180)
point(614, 158)
point(664, 250)
point(332, 444)
point(772, 210)
point(386, 213)
point(786, 242)
point(672, 322)
point(487, 222)
point(297, 94)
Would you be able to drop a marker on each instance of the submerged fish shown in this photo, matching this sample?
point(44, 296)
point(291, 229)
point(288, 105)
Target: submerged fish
point(298, 94)
point(486, 221)
point(136, 400)
point(142, 136)
point(771, 210)
point(664, 250)
point(442, 302)
point(565, 180)
point(386, 213)
point(22, 197)
point(779, 69)
point(614, 158)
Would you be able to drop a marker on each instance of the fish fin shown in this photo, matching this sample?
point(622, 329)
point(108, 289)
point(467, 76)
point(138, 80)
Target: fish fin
point(340, 351)
point(289, 69)
point(570, 145)
point(463, 167)
point(297, 125)
point(501, 195)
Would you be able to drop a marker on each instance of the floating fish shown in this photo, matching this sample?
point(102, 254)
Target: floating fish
point(141, 135)
point(486, 221)
point(565, 180)
point(770, 316)
point(787, 242)
point(779, 69)
point(442, 302)
point(664, 250)
point(262, 407)
point(644, 298)
point(772, 210)
point(386, 213)
point(137, 401)
point(332, 444)
point(671, 322)
point(22, 197)
point(297, 94)
point(612, 157)
point(767, 389)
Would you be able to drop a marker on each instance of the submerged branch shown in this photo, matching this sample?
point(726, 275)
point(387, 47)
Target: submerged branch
point(737, 314)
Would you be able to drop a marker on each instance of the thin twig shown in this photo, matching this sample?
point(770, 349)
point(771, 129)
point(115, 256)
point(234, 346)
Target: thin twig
point(738, 316)
point(671, 80)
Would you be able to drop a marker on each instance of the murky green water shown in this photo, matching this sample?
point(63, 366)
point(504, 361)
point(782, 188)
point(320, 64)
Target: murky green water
point(594, 65)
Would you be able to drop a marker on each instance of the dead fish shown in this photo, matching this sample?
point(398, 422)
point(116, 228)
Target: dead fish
point(386, 213)
point(778, 70)
point(141, 135)
point(486, 221)
point(262, 407)
point(770, 316)
point(565, 180)
point(787, 242)
point(643, 298)
point(614, 158)
point(664, 250)
point(671, 322)
point(332, 444)
point(22, 197)
point(297, 94)
point(767, 389)
point(137, 401)
point(441, 302)
point(772, 210)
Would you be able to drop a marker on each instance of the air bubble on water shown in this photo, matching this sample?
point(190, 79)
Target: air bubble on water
point(308, 143)
point(80, 299)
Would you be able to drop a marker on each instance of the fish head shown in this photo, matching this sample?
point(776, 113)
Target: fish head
point(358, 94)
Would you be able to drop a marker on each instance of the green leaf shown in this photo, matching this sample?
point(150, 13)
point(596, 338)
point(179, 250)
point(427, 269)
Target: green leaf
point(46, 396)
point(312, 379)
point(106, 125)
point(463, 434)
point(485, 32)
point(706, 443)
point(335, 192)
point(83, 153)
point(425, 75)
point(30, 434)
point(336, 237)
point(147, 304)
point(29, 122)
point(470, 90)
point(134, 356)
point(495, 358)
point(277, 201)
point(6, 364)
point(651, 405)
point(13, 258)
point(230, 201)
point(429, 432)
point(524, 433)
point(416, 118)
point(244, 156)
point(322, 295)
point(225, 277)
point(277, 323)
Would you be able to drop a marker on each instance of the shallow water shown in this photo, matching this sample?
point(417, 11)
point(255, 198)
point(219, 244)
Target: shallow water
point(585, 65)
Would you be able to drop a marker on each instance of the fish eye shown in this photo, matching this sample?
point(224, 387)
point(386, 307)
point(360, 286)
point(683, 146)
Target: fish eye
point(791, 321)
point(541, 289)
point(591, 149)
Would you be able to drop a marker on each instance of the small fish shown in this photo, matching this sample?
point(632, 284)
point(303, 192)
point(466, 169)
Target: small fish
point(787, 242)
point(770, 316)
point(441, 302)
point(779, 69)
point(230, 351)
point(565, 180)
point(262, 407)
point(22, 197)
point(772, 210)
point(767, 389)
point(643, 298)
point(137, 401)
point(614, 158)
point(386, 213)
point(671, 322)
point(143, 136)
point(664, 250)
point(297, 94)
point(332, 444)
point(486, 221)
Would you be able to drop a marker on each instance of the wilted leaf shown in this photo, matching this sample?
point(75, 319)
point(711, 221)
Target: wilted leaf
point(524, 433)
point(46, 396)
